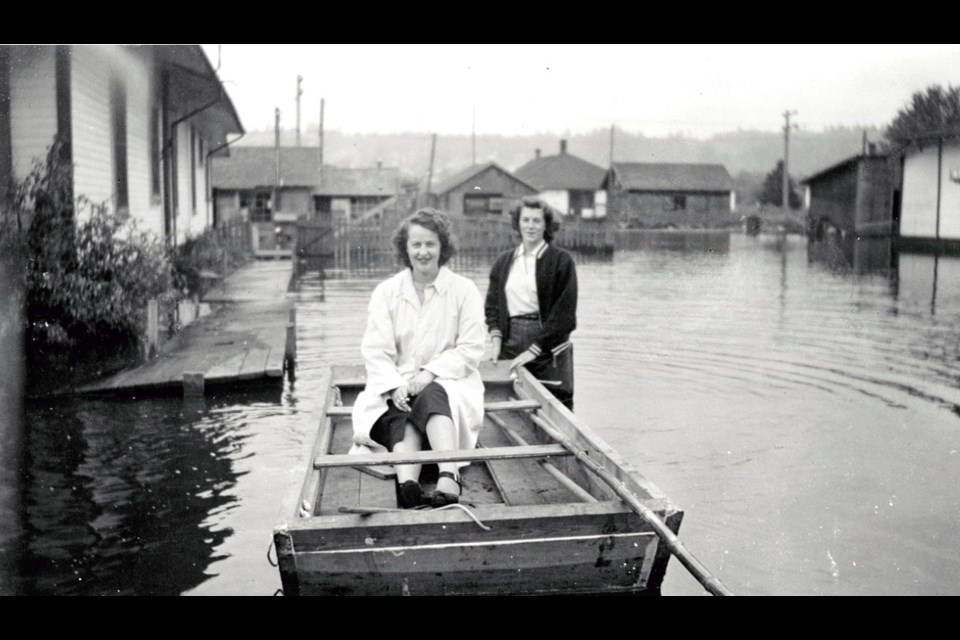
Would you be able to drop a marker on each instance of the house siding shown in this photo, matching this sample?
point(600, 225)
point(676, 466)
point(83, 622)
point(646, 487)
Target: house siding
point(874, 197)
point(919, 207)
point(188, 224)
point(558, 199)
point(833, 198)
point(227, 204)
point(33, 106)
point(92, 135)
point(656, 209)
point(950, 193)
point(141, 98)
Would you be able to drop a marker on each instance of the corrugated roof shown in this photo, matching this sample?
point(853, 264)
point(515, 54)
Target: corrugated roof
point(651, 176)
point(252, 167)
point(460, 177)
point(562, 171)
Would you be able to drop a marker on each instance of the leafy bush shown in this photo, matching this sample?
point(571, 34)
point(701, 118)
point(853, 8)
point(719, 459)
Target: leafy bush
point(86, 282)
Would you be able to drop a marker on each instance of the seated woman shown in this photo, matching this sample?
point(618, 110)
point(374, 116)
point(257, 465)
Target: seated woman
point(422, 346)
point(531, 305)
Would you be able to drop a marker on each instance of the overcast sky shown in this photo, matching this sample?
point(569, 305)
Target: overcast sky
point(695, 89)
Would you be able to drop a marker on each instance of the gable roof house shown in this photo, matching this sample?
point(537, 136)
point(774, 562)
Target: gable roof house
point(569, 184)
point(243, 186)
point(137, 124)
point(658, 195)
point(480, 191)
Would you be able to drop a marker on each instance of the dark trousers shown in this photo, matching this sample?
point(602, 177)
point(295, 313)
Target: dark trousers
point(555, 371)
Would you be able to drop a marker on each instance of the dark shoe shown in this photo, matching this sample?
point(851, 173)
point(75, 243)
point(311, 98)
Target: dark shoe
point(410, 495)
point(442, 498)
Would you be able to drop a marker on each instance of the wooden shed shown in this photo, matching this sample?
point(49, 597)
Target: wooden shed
point(853, 197)
point(662, 195)
point(481, 191)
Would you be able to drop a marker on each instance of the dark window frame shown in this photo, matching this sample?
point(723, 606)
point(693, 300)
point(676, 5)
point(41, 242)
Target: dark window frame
point(118, 133)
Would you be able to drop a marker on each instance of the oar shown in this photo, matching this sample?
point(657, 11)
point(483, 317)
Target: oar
point(710, 582)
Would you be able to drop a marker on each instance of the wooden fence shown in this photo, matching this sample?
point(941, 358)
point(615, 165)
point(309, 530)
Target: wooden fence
point(235, 235)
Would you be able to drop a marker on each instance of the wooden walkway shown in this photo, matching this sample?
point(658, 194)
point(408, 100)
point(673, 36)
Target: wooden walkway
point(251, 335)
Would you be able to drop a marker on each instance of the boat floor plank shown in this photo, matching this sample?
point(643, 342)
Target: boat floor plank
point(341, 485)
point(377, 493)
point(524, 481)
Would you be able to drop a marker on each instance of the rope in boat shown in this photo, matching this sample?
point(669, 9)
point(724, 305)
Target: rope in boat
point(367, 511)
point(467, 510)
point(272, 563)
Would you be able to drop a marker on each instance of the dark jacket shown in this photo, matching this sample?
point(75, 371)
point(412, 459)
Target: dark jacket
point(556, 293)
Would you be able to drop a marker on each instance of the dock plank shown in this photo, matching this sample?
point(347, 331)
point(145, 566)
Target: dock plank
point(236, 342)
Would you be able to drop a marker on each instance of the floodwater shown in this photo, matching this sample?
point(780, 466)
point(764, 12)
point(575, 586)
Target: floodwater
point(801, 405)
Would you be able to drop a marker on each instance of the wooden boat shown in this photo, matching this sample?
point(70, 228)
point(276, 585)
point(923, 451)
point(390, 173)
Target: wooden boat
point(547, 508)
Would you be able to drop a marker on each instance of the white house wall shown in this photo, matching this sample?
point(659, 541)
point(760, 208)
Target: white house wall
point(950, 193)
point(918, 217)
point(186, 224)
point(559, 200)
point(91, 134)
point(141, 92)
point(33, 105)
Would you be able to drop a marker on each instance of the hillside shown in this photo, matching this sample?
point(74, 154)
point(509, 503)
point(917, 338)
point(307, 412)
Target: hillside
point(747, 155)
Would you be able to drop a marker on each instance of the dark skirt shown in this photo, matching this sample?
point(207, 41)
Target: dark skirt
point(390, 428)
point(555, 370)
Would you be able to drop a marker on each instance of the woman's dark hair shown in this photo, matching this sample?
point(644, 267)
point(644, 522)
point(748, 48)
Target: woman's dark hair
point(551, 219)
point(432, 219)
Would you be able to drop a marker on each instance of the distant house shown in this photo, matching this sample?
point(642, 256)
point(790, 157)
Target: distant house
point(643, 194)
point(244, 185)
point(930, 211)
point(138, 125)
point(481, 191)
point(853, 196)
point(568, 183)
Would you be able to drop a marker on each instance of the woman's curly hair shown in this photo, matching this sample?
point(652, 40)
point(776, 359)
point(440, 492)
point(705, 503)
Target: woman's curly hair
point(551, 219)
point(428, 218)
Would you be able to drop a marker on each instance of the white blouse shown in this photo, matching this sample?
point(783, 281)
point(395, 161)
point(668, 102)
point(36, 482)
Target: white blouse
point(521, 285)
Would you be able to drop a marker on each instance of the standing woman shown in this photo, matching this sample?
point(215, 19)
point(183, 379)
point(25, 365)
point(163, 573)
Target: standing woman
point(423, 343)
point(531, 305)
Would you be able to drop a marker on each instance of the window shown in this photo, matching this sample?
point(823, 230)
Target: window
point(260, 207)
point(679, 203)
point(118, 127)
point(579, 200)
point(155, 155)
point(193, 170)
point(482, 203)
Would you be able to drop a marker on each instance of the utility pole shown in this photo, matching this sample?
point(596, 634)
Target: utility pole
point(612, 127)
point(433, 149)
point(299, 93)
point(473, 139)
point(786, 161)
point(276, 150)
point(321, 141)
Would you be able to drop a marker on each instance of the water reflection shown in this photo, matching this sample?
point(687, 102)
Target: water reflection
point(119, 493)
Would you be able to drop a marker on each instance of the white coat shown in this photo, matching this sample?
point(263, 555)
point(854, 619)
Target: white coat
point(445, 336)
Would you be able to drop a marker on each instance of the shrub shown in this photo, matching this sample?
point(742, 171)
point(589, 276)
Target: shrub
point(85, 284)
